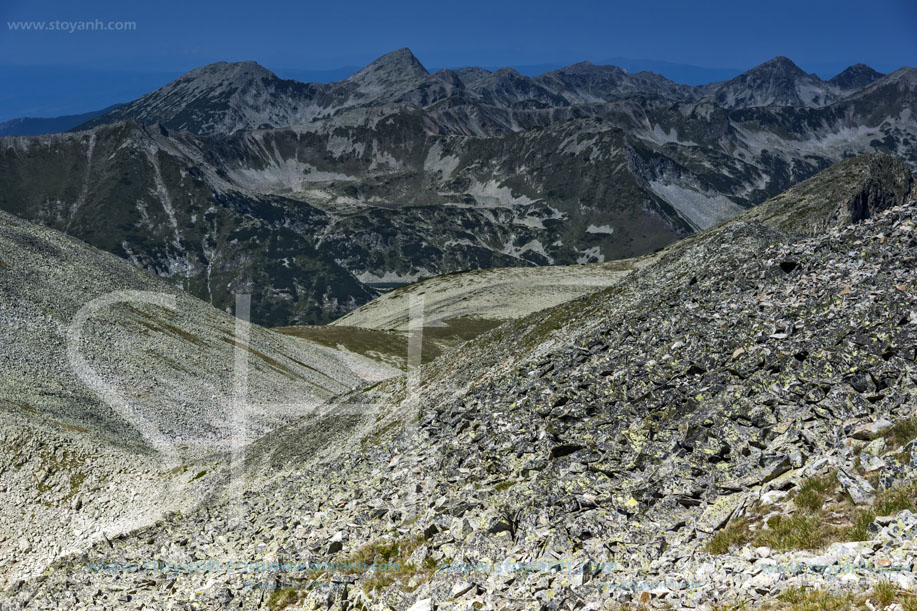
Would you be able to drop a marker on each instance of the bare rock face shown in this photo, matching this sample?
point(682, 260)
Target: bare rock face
point(889, 183)
point(860, 490)
point(849, 192)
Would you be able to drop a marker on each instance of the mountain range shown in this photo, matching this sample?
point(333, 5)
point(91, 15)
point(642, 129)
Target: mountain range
point(252, 97)
point(315, 196)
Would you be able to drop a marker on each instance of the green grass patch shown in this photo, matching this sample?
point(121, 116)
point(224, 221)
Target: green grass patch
point(798, 531)
point(27, 408)
point(735, 534)
point(63, 462)
point(503, 486)
point(882, 596)
point(69, 427)
point(813, 493)
point(76, 482)
point(903, 432)
point(377, 436)
point(396, 555)
point(824, 515)
point(885, 593)
point(887, 503)
point(282, 599)
point(388, 346)
point(802, 599)
point(461, 329)
point(158, 326)
point(272, 363)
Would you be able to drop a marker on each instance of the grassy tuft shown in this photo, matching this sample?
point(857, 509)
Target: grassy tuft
point(798, 531)
point(903, 432)
point(813, 492)
point(823, 517)
point(396, 554)
point(503, 486)
point(804, 599)
point(159, 326)
point(887, 503)
point(282, 599)
point(735, 534)
point(388, 346)
point(885, 593)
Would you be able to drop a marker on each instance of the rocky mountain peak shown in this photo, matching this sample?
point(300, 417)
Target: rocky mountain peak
point(779, 66)
point(400, 66)
point(507, 73)
point(466, 76)
point(855, 77)
point(778, 82)
point(226, 72)
point(848, 192)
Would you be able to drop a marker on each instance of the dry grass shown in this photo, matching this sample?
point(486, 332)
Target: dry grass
point(395, 556)
point(887, 503)
point(903, 432)
point(823, 515)
point(388, 346)
point(800, 599)
point(798, 531)
point(283, 599)
point(159, 326)
point(882, 596)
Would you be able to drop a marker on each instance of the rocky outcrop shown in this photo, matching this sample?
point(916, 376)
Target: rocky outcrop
point(849, 192)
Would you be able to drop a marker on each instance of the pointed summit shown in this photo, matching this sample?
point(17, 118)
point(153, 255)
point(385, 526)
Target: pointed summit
point(780, 66)
point(390, 71)
point(777, 82)
point(402, 57)
point(855, 77)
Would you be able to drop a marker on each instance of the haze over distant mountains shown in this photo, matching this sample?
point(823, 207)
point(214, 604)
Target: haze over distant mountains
point(312, 195)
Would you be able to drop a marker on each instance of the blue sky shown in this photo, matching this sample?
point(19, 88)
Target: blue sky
point(174, 36)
